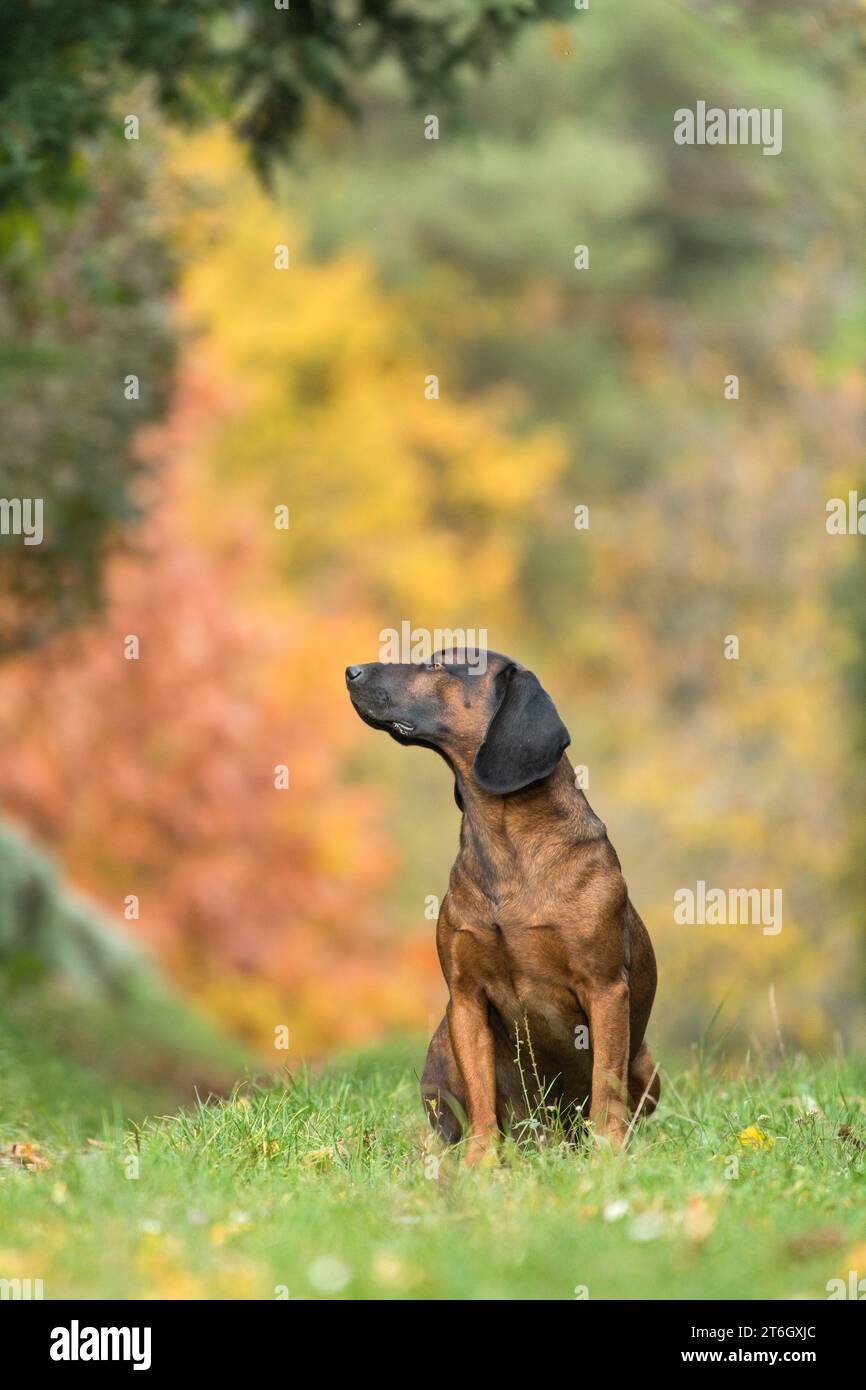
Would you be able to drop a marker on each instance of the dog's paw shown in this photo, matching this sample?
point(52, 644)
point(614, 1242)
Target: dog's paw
point(610, 1140)
point(481, 1153)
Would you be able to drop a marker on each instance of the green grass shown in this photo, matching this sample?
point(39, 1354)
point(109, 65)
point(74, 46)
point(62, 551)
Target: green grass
point(68, 1067)
point(324, 1187)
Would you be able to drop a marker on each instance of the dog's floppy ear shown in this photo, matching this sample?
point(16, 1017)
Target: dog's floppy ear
point(525, 739)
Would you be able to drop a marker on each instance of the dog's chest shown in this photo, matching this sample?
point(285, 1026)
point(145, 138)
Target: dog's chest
point(523, 950)
point(526, 974)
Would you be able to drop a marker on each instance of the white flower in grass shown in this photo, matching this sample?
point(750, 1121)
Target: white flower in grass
point(649, 1225)
point(615, 1211)
point(328, 1274)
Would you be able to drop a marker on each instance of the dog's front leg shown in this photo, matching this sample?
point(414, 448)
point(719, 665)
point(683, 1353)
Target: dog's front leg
point(608, 1009)
point(472, 1040)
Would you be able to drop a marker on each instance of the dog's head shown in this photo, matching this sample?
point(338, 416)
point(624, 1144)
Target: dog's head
point(496, 726)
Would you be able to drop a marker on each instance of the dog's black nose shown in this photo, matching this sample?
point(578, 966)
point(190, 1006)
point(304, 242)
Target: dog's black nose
point(353, 672)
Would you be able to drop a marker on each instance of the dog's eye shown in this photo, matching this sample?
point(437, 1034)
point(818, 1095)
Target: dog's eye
point(436, 665)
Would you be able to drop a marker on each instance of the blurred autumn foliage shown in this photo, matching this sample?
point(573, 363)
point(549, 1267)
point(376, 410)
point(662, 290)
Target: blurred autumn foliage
point(254, 895)
point(305, 389)
point(155, 777)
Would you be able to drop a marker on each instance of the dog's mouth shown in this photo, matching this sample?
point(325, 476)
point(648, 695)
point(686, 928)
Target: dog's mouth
point(378, 719)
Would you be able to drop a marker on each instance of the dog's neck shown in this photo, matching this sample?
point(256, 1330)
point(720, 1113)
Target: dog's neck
point(529, 817)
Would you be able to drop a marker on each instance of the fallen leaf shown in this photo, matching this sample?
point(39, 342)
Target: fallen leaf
point(323, 1156)
point(23, 1156)
point(815, 1242)
point(699, 1218)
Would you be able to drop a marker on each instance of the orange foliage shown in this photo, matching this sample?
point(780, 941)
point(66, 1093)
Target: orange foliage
point(155, 776)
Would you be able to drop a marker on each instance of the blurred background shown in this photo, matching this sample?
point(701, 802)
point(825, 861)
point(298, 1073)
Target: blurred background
point(163, 907)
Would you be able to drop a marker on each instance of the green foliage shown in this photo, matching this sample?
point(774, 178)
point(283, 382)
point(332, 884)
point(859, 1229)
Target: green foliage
point(82, 306)
point(325, 1187)
point(61, 69)
point(571, 142)
point(64, 67)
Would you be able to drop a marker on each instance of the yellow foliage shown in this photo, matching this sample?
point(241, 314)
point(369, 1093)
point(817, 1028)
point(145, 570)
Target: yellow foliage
point(423, 502)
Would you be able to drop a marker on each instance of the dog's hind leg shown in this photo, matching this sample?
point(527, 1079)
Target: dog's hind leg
point(644, 1087)
point(442, 1088)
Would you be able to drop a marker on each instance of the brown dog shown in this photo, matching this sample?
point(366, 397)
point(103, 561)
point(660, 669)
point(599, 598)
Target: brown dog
point(550, 969)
